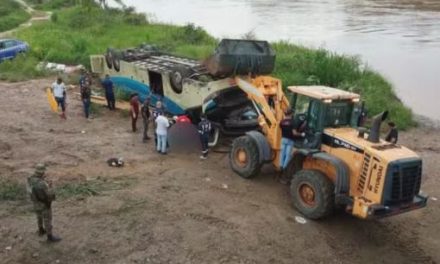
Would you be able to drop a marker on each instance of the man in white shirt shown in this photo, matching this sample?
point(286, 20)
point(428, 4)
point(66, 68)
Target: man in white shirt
point(162, 125)
point(59, 92)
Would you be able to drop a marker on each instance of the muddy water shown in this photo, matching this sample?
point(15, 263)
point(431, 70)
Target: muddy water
point(399, 38)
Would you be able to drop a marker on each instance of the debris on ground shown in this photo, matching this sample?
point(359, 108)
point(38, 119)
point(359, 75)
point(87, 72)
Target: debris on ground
point(57, 67)
point(115, 162)
point(300, 220)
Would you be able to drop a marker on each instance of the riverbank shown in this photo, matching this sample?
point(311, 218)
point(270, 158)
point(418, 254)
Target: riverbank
point(76, 32)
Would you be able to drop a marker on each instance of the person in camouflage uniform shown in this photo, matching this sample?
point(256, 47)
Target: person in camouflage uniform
point(42, 196)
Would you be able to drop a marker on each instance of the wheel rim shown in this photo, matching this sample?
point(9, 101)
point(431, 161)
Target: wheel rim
point(307, 194)
point(241, 157)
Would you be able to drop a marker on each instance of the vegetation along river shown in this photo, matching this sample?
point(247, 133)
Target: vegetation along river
point(398, 38)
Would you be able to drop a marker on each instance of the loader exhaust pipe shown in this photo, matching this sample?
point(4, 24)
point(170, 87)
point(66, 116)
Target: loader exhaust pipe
point(375, 127)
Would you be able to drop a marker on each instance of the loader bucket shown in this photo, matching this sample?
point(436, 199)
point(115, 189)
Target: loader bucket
point(241, 57)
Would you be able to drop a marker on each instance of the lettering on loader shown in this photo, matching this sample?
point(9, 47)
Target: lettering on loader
point(378, 179)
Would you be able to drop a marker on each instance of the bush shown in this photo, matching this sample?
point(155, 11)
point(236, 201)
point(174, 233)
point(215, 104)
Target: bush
point(54, 17)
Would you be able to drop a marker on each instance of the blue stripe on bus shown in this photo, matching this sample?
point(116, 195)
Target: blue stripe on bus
point(143, 91)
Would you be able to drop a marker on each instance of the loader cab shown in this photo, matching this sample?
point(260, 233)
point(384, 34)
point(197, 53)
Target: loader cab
point(324, 107)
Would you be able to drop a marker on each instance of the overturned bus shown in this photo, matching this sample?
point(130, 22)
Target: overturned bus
point(187, 86)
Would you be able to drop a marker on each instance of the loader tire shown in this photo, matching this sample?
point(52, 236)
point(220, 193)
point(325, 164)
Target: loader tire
point(244, 157)
point(312, 194)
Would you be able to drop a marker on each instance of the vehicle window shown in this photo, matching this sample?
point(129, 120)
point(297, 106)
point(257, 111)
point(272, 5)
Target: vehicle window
point(338, 114)
point(2, 45)
point(313, 115)
point(302, 104)
point(9, 44)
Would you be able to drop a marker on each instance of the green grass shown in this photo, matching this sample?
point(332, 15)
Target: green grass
point(23, 67)
point(92, 187)
point(12, 191)
point(50, 4)
point(78, 32)
point(12, 15)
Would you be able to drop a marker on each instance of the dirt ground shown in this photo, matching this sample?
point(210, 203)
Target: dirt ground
point(176, 208)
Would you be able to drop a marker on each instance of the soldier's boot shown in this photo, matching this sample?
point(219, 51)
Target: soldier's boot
point(41, 231)
point(52, 238)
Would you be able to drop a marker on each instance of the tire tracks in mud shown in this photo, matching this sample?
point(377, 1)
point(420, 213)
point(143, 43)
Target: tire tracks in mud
point(406, 243)
point(397, 241)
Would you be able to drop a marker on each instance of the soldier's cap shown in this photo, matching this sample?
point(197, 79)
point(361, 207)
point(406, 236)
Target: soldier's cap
point(40, 167)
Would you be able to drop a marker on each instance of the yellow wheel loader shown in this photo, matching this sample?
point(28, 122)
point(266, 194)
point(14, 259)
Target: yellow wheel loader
point(337, 163)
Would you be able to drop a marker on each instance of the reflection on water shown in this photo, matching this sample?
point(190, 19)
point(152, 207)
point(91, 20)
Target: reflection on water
point(399, 38)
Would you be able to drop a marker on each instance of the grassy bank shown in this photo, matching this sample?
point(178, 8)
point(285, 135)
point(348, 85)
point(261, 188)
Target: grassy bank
point(12, 14)
point(75, 33)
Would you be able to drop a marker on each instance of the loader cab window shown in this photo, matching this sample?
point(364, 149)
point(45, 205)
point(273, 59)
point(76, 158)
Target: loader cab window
point(338, 114)
point(308, 107)
point(156, 83)
point(313, 115)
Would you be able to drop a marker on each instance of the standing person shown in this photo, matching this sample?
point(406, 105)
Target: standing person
point(42, 196)
point(59, 92)
point(86, 92)
point(134, 110)
point(289, 132)
point(107, 84)
point(156, 111)
point(204, 129)
point(392, 134)
point(145, 111)
point(162, 125)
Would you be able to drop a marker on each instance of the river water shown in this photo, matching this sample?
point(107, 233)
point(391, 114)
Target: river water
point(398, 38)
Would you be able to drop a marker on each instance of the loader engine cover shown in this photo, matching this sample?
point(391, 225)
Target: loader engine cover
point(241, 57)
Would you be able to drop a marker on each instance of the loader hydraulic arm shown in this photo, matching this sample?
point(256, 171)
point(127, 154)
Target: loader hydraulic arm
point(270, 102)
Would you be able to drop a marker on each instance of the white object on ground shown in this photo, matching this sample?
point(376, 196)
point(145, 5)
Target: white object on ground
point(57, 67)
point(434, 198)
point(224, 186)
point(8, 248)
point(300, 220)
point(207, 179)
point(83, 132)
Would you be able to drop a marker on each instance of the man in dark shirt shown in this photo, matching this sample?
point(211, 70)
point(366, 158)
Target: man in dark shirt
point(289, 132)
point(84, 83)
point(204, 129)
point(145, 111)
point(107, 84)
point(393, 134)
point(134, 110)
